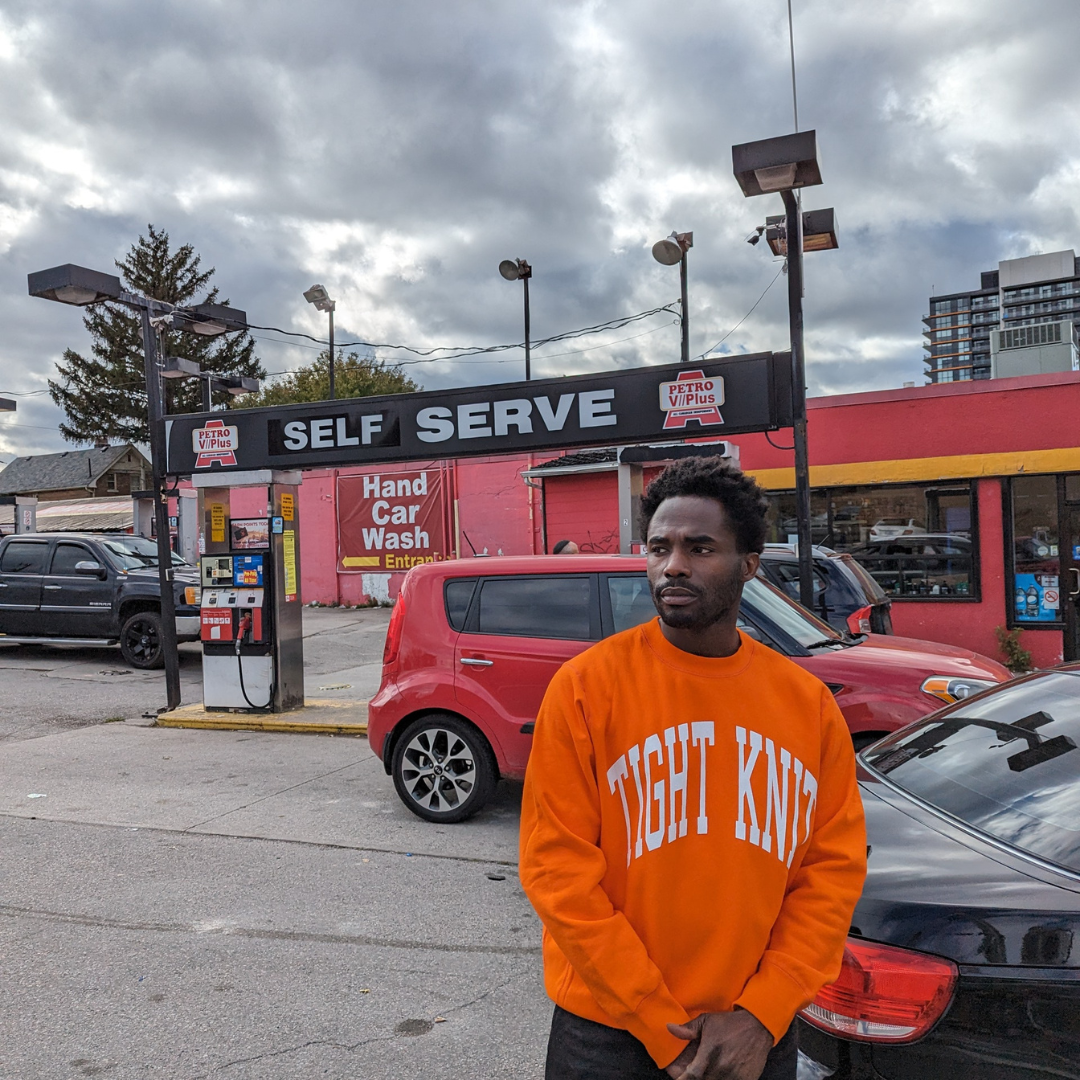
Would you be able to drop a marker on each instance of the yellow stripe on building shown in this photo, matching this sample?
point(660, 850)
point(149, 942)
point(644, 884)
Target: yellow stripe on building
point(908, 470)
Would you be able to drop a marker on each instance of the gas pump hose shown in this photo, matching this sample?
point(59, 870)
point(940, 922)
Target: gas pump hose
point(245, 623)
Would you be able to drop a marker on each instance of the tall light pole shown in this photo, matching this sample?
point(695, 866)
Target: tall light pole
point(520, 270)
point(670, 251)
point(76, 285)
point(779, 166)
point(318, 296)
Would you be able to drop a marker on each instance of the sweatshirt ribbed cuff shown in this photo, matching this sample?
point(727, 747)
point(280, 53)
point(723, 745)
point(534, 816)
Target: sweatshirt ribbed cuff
point(649, 1021)
point(772, 997)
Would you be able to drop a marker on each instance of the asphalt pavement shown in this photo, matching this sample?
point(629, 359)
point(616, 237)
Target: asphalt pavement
point(242, 905)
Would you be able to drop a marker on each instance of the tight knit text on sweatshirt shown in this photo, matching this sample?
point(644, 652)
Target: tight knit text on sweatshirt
point(661, 780)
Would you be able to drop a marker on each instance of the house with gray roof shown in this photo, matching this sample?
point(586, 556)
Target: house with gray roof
point(100, 472)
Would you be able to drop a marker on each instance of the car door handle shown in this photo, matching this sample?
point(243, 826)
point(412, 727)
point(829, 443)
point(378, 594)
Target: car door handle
point(474, 661)
point(53, 586)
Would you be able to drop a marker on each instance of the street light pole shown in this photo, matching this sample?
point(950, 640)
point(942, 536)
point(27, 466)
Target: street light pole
point(520, 270)
point(668, 252)
point(156, 416)
point(798, 395)
point(332, 391)
point(528, 349)
point(685, 311)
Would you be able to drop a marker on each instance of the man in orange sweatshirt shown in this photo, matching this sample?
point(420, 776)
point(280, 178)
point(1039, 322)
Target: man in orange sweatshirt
point(692, 835)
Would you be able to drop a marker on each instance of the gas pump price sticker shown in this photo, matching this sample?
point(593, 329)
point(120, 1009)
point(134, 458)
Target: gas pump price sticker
point(217, 523)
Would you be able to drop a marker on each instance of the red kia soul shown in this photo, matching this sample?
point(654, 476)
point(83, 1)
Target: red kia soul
point(473, 643)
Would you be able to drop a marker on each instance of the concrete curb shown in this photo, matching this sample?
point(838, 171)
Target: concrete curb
point(313, 719)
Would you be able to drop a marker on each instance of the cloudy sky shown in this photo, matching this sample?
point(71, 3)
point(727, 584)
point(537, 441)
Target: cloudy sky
point(397, 151)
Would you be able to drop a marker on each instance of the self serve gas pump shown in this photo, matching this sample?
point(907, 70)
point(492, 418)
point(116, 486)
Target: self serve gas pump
point(251, 627)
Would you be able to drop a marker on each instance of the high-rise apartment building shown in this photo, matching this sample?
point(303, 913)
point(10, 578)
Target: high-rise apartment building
point(1039, 289)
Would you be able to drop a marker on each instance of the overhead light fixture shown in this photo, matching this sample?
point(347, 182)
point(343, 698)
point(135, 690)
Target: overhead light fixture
point(780, 164)
point(71, 284)
point(318, 296)
point(671, 249)
point(179, 367)
point(210, 320)
point(237, 385)
point(515, 269)
point(818, 229)
point(7, 405)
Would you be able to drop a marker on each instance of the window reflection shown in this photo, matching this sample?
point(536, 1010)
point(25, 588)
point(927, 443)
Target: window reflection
point(1035, 593)
point(1009, 765)
point(916, 540)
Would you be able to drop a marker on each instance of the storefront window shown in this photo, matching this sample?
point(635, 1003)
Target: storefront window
point(915, 539)
point(1035, 594)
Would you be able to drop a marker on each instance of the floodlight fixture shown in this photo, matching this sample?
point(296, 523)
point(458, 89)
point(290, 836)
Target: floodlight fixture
point(71, 284)
point(673, 248)
point(818, 231)
point(780, 164)
point(179, 367)
point(237, 385)
point(515, 269)
point(7, 405)
point(318, 296)
point(210, 320)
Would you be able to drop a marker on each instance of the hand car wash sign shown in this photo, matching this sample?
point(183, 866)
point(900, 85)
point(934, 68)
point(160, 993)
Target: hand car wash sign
point(580, 410)
point(391, 520)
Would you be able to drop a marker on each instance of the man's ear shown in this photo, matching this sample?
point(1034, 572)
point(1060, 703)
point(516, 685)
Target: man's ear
point(752, 560)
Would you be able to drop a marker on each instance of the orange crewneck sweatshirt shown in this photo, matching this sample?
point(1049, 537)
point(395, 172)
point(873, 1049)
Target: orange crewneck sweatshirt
point(692, 835)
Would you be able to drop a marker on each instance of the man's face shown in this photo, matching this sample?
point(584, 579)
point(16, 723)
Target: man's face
point(696, 572)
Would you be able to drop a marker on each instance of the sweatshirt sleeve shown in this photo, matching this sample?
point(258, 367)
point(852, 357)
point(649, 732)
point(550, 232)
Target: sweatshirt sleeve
point(807, 940)
point(562, 868)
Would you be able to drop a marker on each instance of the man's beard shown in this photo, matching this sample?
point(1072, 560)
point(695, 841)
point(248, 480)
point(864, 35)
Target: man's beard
point(714, 603)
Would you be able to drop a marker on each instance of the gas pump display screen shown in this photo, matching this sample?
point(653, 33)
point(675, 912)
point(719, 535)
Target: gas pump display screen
point(248, 570)
point(217, 570)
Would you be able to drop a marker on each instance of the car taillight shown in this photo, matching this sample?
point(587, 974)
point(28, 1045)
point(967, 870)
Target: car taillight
point(884, 994)
point(393, 632)
point(858, 622)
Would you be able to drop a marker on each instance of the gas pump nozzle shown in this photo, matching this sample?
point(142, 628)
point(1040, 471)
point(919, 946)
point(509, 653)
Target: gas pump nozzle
point(245, 626)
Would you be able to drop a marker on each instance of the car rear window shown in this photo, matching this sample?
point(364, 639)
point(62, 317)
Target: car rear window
point(874, 592)
point(1007, 764)
point(543, 607)
point(24, 557)
point(458, 594)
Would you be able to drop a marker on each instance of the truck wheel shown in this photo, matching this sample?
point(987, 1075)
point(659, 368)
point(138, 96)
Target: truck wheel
point(443, 768)
point(140, 640)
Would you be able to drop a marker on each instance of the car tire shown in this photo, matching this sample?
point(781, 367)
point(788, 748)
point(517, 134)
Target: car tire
point(443, 768)
point(140, 641)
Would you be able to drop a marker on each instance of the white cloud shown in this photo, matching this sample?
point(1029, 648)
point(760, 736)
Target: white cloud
point(396, 152)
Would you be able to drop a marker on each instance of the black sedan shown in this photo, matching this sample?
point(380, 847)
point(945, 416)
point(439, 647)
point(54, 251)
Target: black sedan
point(964, 954)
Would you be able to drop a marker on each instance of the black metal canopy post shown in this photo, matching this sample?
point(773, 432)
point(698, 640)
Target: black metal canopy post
point(798, 396)
point(156, 416)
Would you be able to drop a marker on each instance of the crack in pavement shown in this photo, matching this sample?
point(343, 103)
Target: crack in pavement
point(292, 1050)
point(330, 845)
point(263, 934)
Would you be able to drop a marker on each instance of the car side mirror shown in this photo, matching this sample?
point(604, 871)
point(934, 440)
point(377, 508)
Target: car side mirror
point(90, 568)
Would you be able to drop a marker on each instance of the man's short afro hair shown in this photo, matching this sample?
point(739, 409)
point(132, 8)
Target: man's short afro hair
point(714, 478)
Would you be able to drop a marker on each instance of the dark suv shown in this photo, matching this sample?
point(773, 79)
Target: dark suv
point(473, 643)
point(92, 589)
point(845, 594)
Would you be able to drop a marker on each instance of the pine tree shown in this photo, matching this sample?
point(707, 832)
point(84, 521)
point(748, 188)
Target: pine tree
point(354, 376)
point(103, 395)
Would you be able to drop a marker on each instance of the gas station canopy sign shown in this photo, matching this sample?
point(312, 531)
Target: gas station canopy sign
point(718, 397)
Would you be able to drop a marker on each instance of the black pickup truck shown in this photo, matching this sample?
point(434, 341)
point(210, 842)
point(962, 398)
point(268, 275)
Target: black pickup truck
point(92, 589)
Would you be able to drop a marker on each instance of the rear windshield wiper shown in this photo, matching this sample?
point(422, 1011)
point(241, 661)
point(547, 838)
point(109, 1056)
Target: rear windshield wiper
point(828, 642)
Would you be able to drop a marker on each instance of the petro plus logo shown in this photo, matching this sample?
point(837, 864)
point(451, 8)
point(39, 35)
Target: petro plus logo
point(215, 442)
point(692, 396)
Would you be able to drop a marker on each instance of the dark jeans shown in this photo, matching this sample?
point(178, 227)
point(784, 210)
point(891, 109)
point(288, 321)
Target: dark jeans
point(580, 1049)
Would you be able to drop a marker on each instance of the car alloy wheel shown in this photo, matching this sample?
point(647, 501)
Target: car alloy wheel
point(140, 640)
point(443, 769)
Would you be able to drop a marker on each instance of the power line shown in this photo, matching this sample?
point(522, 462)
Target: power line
point(743, 319)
